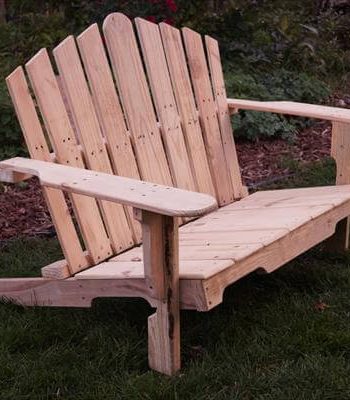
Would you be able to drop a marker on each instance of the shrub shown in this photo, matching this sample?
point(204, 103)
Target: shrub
point(274, 86)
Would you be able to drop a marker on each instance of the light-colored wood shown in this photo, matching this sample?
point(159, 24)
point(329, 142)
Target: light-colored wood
point(292, 108)
point(277, 253)
point(38, 149)
point(136, 99)
point(208, 116)
point(164, 100)
point(161, 265)
point(160, 199)
point(109, 111)
point(80, 293)
point(219, 89)
point(65, 146)
point(188, 269)
point(174, 268)
point(90, 135)
point(236, 232)
point(340, 150)
point(181, 82)
point(13, 177)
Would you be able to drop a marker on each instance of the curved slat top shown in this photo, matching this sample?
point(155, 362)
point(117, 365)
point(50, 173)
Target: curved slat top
point(217, 79)
point(181, 82)
point(86, 122)
point(208, 115)
point(108, 109)
point(163, 96)
point(65, 145)
point(136, 99)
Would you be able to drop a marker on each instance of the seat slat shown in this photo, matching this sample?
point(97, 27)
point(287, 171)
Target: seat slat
point(38, 149)
point(208, 116)
point(195, 269)
point(247, 237)
point(66, 148)
point(163, 96)
point(187, 108)
point(219, 89)
point(136, 99)
point(108, 110)
point(86, 122)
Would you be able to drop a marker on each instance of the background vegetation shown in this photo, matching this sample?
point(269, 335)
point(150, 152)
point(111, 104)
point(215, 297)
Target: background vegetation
point(272, 49)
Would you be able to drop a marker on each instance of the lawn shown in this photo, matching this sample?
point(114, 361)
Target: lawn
point(279, 336)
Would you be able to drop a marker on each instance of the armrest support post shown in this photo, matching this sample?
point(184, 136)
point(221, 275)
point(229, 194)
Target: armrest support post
point(340, 151)
point(161, 262)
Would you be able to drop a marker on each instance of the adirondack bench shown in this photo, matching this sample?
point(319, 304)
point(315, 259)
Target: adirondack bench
point(138, 134)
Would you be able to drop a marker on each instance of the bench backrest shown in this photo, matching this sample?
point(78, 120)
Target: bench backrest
point(144, 102)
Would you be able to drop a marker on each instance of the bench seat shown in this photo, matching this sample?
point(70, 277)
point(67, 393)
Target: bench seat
point(228, 236)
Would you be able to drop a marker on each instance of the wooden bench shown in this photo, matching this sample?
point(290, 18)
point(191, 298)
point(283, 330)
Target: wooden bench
point(142, 148)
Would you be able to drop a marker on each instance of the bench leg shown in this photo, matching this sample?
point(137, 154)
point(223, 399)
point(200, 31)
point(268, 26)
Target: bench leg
point(161, 262)
point(164, 339)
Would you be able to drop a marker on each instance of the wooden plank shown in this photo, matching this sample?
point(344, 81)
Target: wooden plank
point(65, 145)
point(188, 269)
point(90, 135)
point(219, 89)
point(164, 100)
point(208, 116)
point(277, 218)
point(262, 236)
point(136, 99)
point(278, 252)
point(108, 109)
point(181, 82)
point(38, 149)
point(80, 293)
point(292, 108)
point(148, 196)
point(161, 264)
point(194, 252)
point(340, 150)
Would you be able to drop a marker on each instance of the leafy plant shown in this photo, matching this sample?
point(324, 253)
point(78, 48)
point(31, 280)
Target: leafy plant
point(278, 85)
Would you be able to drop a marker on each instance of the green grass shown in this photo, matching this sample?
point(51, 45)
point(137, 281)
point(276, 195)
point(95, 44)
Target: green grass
point(279, 336)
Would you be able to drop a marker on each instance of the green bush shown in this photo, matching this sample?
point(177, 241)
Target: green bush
point(277, 85)
point(273, 50)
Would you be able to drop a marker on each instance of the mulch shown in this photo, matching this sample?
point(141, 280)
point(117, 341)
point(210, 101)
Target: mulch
point(23, 211)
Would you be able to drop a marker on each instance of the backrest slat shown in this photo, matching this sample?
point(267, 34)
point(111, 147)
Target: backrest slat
point(87, 125)
point(187, 108)
point(136, 99)
point(208, 117)
point(163, 96)
point(62, 137)
point(109, 111)
point(39, 150)
point(219, 89)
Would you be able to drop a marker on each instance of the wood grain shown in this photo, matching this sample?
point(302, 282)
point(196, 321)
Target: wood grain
point(65, 146)
point(38, 149)
point(90, 135)
point(109, 111)
point(181, 82)
point(219, 89)
point(136, 100)
point(208, 116)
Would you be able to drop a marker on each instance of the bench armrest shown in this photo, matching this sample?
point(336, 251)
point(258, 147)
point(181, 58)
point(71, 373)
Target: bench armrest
point(291, 108)
point(139, 194)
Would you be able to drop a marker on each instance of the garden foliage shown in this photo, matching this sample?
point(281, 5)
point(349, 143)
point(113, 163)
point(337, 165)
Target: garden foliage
point(272, 49)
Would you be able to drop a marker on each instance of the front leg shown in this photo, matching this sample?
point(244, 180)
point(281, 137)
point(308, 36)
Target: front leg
point(161, 263)
point(340, 151)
